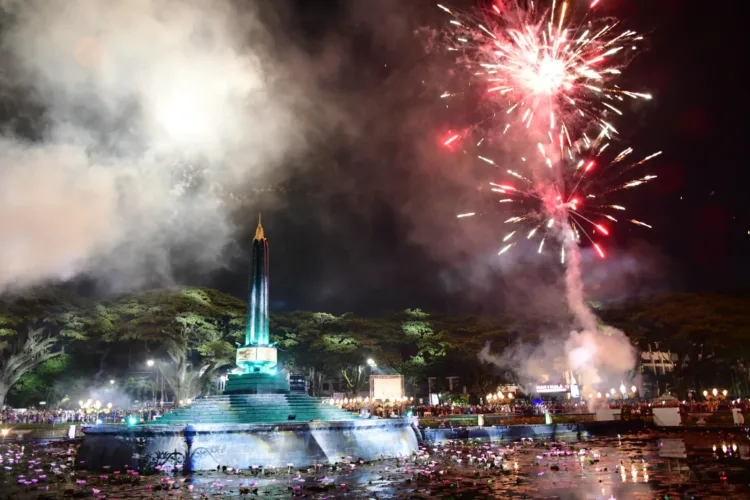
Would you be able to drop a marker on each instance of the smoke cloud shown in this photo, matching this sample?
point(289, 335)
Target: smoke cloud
point(152, 111)
point(596, 355)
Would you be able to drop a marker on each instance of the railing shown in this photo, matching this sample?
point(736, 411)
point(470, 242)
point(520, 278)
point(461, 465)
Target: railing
point(501, 419)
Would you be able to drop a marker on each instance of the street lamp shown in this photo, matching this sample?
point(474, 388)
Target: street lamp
point(371, 363)
point(150, 363)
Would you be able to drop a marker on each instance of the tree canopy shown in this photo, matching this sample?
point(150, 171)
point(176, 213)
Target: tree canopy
point(191, 334)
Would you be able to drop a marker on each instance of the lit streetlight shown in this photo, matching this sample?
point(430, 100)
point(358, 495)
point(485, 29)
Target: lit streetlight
point(150, 363)
point(371, 363)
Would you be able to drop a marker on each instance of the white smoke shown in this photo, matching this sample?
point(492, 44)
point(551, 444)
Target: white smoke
point(596, 355)
point(152, 108)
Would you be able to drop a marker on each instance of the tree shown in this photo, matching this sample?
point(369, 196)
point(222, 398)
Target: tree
point(39, 384)
point(190, 331)
point(710, 334)
point(35, 329)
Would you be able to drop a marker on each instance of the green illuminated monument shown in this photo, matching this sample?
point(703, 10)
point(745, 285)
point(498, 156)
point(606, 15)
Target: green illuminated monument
point(256, 371)
point(257, 420)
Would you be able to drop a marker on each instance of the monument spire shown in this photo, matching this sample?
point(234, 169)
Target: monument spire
point(256, 329)
point(259, 235)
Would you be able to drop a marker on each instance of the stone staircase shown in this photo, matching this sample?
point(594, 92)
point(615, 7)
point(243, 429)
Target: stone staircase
point(253, 409)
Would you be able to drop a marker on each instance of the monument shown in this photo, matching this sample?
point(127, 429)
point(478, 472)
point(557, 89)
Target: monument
point(256, 421)
point(257, 360)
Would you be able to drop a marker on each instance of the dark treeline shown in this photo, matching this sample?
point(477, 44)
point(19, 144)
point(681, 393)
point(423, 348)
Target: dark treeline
point(56, 346)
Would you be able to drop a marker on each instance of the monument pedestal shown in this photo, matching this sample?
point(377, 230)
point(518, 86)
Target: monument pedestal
point(257, 383)
point(257, 372)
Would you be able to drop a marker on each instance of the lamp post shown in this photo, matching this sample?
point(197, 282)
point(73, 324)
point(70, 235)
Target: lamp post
point(155, 388)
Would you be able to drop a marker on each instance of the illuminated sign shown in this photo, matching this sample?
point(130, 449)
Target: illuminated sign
point(266, 354)
point(552, 388)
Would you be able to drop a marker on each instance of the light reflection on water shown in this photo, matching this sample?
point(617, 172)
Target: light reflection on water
point(683, 465)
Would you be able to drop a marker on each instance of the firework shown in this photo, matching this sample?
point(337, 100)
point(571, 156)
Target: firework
point(553, 76)
point(571, 202)
point(546, 69)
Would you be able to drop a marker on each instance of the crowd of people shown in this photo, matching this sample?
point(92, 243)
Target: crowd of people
point(80, 416)
point(630, 410)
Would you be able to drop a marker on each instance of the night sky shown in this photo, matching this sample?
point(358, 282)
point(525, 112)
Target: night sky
point(366, 221)
point(372, 225)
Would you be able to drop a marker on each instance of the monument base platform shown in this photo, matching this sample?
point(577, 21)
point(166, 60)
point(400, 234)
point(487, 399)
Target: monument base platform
point(207, 446)
point(256, 383)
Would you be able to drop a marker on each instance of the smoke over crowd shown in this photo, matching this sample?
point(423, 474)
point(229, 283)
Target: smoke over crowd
point(146, 114)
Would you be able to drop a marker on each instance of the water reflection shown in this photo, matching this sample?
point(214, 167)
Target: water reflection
point(629, 466)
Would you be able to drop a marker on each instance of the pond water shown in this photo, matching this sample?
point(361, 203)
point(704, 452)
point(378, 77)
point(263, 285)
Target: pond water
point(675, 466)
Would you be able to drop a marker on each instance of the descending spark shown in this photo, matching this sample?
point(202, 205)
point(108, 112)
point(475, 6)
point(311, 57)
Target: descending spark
point(461, 216)
point(450, 140)
point(599, 250)
point(505, 249)
point(639, 223)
